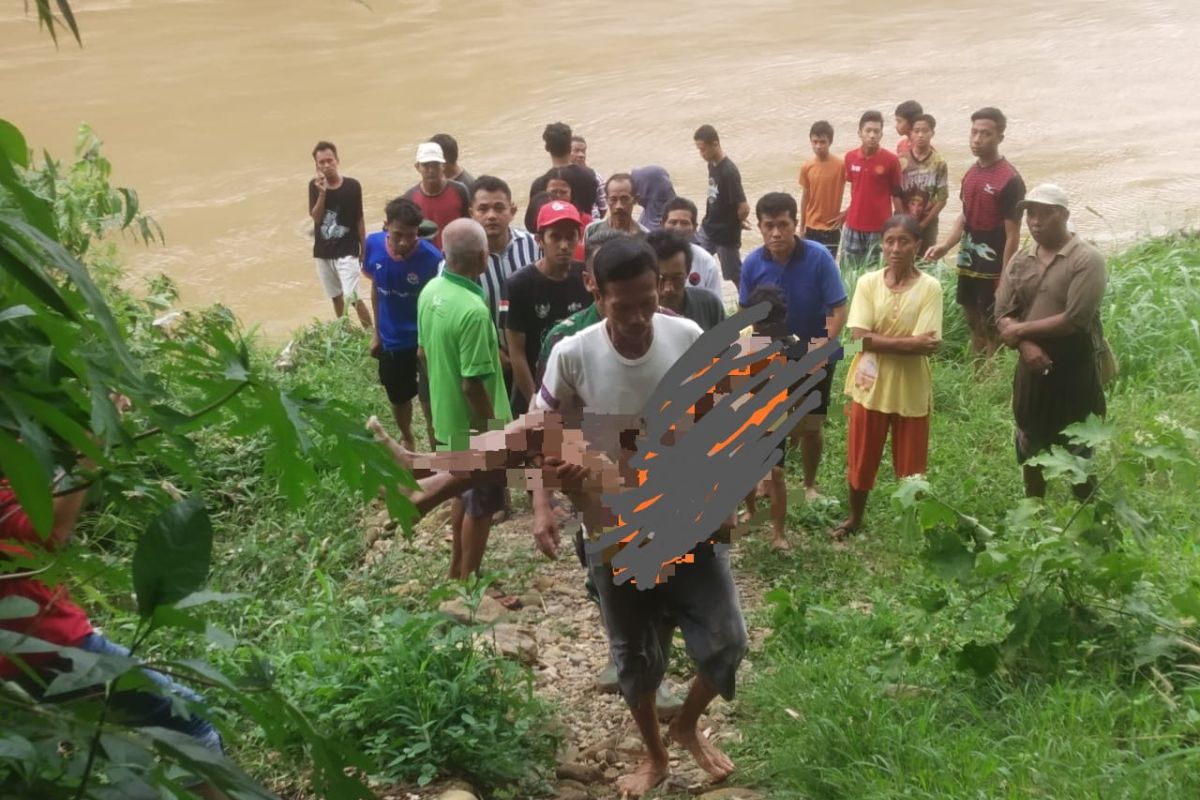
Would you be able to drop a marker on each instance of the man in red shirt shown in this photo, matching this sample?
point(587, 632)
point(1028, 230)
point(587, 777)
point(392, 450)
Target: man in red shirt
point(439, 199)
point(874, 177)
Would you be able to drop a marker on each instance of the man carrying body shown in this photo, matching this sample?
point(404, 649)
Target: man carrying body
point(603, 377)
point(440, 200)
point(399, 264)
point(543, 293)
point(680, 218)
point(922, 169)
point(1048, 310)
point(727, 211)
point(509, 250)
point(453, 170)
point(816, 305)
point(459, 347)
point(335, 204)
point(987, 231)
point(618, 192)
point(874, 177)
point(674, 257)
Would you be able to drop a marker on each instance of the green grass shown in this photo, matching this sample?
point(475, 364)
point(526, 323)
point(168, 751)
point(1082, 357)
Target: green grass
point(837, 709)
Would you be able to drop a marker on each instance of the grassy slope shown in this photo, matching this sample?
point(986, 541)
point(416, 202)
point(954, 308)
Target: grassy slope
point(867, 724)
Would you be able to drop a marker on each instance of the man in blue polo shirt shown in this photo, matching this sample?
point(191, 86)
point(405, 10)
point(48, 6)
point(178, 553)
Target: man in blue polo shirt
point(816, 305)
point(399, 263)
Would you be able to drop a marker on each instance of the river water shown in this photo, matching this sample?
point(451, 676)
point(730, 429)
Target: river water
point(210, 108)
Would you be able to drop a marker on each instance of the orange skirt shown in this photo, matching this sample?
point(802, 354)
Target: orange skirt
point(869, 432)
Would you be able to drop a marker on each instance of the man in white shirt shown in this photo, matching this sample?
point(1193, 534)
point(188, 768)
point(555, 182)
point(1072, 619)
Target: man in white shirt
point(600, 380)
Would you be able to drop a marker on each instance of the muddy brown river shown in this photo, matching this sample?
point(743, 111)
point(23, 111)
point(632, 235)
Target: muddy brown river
point(210, 108)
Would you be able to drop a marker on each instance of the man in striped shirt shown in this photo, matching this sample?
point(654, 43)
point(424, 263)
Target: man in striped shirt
point(509, 249)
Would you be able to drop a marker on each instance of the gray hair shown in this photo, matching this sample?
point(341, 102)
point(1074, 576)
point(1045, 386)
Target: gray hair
point(464, 241)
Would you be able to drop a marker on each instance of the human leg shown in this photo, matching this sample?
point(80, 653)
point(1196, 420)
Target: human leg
point(398, 375)
point(778, 495)
point(730, 258)
point(910, 445)
point(348, 275)
point(864, 450)
point(327, 276)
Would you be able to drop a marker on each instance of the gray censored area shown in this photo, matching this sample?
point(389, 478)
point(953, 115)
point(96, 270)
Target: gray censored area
point(699, 489)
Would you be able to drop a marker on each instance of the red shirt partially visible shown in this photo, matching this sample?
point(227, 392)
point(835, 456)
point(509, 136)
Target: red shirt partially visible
point(874, 181)
point(443, 208)
point(58, 620)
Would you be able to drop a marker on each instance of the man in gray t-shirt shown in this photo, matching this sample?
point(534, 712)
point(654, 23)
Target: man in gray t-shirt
point(674, 270)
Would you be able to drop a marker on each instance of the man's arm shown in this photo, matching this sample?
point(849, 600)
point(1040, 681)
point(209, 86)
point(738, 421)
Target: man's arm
point(362, 237)
point(316, 204)
point(522, 372)
point(478, 401)
point(931, 215)
point(1012, 239)
point(376, 343)
point(938, 251)
point(743, 212)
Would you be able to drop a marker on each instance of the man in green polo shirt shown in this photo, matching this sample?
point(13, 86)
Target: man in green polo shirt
point(458, 345)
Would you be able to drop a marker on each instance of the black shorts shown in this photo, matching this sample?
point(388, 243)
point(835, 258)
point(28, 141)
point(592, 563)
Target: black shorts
point(977, 292)
point(483, 501)
point(825, 390)
point(830, 238)
point(402, 377)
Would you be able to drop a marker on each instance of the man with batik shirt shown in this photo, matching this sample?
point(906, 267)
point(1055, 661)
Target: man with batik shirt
point(987, 231)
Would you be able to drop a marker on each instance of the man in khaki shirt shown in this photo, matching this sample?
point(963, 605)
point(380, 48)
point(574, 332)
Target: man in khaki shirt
point(1048, 309)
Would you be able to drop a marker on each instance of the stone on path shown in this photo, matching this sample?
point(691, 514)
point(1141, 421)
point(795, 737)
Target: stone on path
point(731, 793)
point(583, 773)
point(488, 612)
point(456, 794)
point(513, 641)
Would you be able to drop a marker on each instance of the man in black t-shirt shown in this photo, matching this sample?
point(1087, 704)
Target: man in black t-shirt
point(727, 211)
point(541, 294)
point(335, 204)
point(557, 137)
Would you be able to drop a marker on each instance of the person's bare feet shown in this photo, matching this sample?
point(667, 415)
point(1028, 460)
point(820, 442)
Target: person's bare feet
point(706, 754)
point(403, 457)
point(843, 529)
point(811, 494)
point(647, 776)
point(778, 542)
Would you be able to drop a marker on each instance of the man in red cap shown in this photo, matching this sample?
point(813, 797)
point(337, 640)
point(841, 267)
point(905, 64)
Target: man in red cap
point(543, 293)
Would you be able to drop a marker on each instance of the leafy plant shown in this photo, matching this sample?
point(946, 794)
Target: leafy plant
point(1051, 586)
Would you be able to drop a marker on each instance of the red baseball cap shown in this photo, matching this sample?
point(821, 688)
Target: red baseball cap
point(557, 211)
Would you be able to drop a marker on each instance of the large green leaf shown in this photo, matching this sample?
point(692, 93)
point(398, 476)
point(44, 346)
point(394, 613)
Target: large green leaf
point(12, 144)
point(30, 482)
point(173, 555)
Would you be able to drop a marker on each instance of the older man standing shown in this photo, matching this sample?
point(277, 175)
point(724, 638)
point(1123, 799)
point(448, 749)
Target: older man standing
point(1048, 309)
point(619, 194)
point(458, 344)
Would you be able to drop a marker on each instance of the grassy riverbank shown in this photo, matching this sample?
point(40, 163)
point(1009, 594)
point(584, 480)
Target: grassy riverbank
point(855, 694)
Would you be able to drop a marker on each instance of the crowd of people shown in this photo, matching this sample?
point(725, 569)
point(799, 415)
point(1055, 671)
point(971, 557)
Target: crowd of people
point(554, 336)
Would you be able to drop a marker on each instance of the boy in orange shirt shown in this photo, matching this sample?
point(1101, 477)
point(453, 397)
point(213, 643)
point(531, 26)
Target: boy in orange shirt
point(822, 185)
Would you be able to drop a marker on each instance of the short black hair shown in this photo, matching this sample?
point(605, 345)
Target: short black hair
point(994, 114)
point(906, 221)
point(449, 146)
point(575, 137)
point(773, 203)
point(490, 183)
point(927, 118)
point(678, 203)
point(772, 295)
point(560, 174)
point(869, 116)
point(706, 134)
point(324, 145)
point(557, 137)
point(404, 211)
point(909, 110)
point(821, 128)
point(622, 259)
point(618, 176)
point(668, 245)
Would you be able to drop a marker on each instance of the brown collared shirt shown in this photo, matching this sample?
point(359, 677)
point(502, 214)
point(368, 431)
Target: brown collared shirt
point(1072, 283)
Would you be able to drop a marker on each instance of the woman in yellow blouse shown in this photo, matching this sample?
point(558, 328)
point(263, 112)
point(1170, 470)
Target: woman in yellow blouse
point(897, 313)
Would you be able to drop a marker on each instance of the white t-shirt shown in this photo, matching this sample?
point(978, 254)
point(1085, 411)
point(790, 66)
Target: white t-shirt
point(585, 368)
point(705, 266)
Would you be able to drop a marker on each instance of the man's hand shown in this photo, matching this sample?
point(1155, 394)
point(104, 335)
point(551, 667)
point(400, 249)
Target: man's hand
point(937, 252)
point(1010, 331)
point(927, 343)
point(320, 181)
point(838, 221)
point(376, 345)
point(1034, 357)
point(545, 535)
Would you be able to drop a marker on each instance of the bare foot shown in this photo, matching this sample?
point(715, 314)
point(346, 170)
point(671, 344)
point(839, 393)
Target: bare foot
point(708, 757)
point(648, 775)
point(508, 601)
point(843, 529)
point(403, 457)
point(780, 543)
point(811, 494)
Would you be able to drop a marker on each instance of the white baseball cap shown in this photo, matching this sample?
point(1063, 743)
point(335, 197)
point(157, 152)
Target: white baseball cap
point(430, 151)
point(1046, 194)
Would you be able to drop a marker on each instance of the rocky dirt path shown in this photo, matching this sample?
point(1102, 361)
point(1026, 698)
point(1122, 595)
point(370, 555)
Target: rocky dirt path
point(558, 633)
